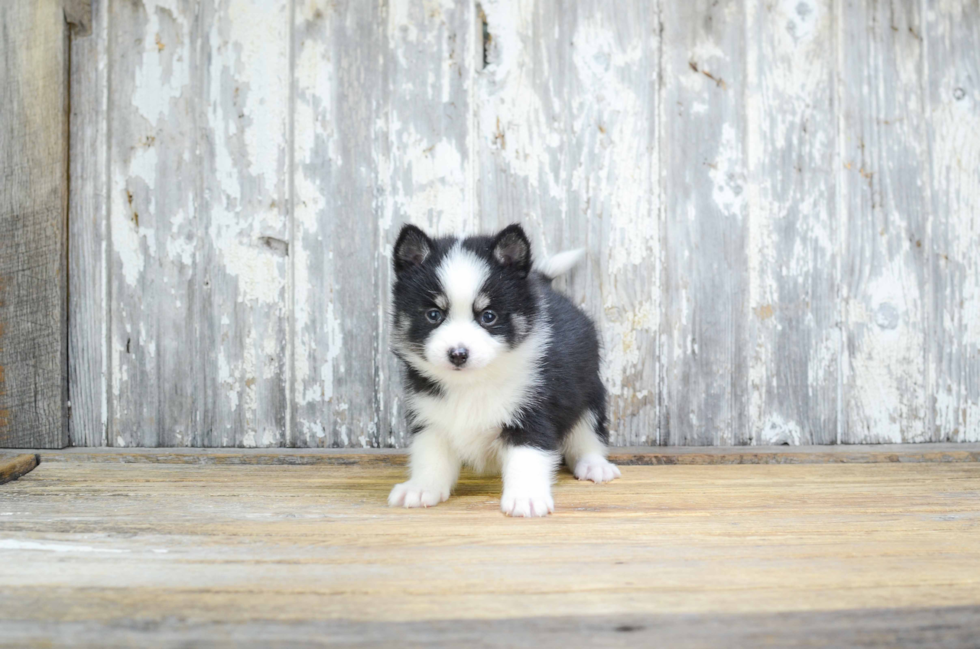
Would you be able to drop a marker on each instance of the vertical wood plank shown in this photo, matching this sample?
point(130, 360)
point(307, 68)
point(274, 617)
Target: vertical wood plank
point(245, 195)
point(885, 244)
point(952, 107)
point(568, 118)
point(611, 184)
point(199, 222)
point(706, 265)
point(88, 274)
point(156, 352)
point(340, 135)
point(522, 120)
point(792, 232)
point(33, 205)
point(430, 169)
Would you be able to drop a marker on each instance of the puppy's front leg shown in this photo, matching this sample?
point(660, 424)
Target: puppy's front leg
point(434, 471)
point(528, 473)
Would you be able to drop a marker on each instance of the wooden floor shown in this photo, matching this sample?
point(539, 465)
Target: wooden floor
point(105, 554)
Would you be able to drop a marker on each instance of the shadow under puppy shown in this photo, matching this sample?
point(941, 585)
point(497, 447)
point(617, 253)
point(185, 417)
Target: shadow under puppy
point(502, 372)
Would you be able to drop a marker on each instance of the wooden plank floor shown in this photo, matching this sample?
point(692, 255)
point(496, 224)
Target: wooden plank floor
point(151, 554)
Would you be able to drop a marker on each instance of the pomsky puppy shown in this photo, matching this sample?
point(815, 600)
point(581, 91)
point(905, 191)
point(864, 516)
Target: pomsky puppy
point(502, 372)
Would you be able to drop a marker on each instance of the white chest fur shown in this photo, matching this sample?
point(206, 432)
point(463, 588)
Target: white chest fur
point(473, 407)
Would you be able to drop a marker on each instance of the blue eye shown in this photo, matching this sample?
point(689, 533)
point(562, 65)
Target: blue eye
point(434, 316)
point(488, 317)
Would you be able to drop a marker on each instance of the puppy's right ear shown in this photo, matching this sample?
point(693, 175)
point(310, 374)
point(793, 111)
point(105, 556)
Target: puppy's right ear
point(411, 249)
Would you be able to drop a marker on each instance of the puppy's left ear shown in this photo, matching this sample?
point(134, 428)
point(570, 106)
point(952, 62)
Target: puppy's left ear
point(511, 249)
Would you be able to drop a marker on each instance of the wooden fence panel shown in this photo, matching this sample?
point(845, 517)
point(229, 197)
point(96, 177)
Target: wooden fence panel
point(778, 202)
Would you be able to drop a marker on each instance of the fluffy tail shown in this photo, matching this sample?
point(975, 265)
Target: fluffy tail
point(561, 263)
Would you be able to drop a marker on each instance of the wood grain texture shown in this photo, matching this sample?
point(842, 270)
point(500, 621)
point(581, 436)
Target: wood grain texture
point(706, 306)
point(198, 204)
point(16, 467)
point(884, 286)
point(33, 238)
point(146, 548)
point(88, 232)
point(614, 200)
point(952, 105)
point(245, 195)
point(155, 352)
point(946, 628)
point(791, 139)
point(340, 139)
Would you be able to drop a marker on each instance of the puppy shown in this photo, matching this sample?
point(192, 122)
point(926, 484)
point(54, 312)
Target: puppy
point(501, 371)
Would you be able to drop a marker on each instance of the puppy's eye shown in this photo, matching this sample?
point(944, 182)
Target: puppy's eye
point(434, 316)
point(488, 317)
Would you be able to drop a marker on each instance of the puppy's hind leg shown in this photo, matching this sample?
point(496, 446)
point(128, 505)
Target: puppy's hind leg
point(585, 451)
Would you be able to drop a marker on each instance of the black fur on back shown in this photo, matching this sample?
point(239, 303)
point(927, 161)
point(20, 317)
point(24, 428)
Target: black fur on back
point(571, 384)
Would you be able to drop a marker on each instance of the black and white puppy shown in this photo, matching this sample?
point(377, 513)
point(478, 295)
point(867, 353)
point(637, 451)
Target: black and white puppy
point(502, 372)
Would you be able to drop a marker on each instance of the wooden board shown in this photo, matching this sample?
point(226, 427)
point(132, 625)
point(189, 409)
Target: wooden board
point(952, 103)
point(197, 554)
point(950, 628)
point(706, 306)
point(632, 456)
point(17, 466)
point(88, 232)
point(33, 240)
point(198, 204)
point(885, 289)
point(340, 128)
point(791, 139)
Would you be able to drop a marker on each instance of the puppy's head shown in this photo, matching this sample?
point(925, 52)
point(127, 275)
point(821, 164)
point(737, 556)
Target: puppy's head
point(459, 305)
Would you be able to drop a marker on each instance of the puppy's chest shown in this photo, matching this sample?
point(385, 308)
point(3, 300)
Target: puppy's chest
point(471, 416)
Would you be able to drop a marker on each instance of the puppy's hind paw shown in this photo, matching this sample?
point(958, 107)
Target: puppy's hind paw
point(597, 469)
point(412, 494)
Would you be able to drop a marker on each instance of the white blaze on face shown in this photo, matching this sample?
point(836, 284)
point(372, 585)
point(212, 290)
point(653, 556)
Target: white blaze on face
point(462, 275)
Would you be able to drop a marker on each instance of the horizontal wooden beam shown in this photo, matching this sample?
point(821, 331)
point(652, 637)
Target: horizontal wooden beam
point(637, 455)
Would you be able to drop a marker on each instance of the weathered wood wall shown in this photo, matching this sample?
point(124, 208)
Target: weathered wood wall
point(781, 203)
point(34, 54)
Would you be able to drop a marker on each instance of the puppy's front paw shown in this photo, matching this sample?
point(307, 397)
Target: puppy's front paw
point(415, 494)
point(527, 504)
point(597, 469)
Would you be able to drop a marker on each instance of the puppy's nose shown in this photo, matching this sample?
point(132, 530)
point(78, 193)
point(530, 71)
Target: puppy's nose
point(458, 356)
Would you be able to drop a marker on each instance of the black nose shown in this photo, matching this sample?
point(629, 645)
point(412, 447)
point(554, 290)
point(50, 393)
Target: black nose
point(458, 356)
